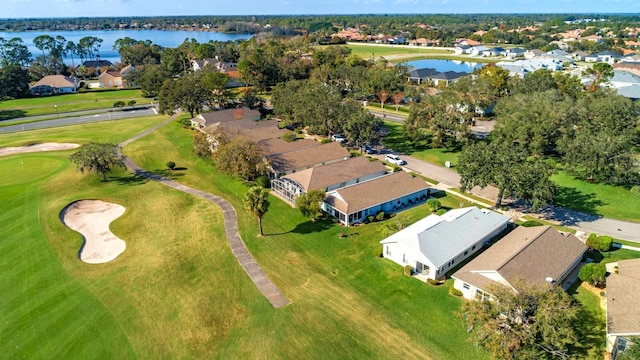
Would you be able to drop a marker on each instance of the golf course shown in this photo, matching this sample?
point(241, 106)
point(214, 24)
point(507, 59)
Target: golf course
point(177, 291)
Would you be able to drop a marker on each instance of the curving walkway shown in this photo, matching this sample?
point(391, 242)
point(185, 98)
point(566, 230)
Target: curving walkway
point(238, 248)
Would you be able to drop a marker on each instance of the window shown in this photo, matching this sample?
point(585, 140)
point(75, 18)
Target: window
point(465, 286)
point(404, 259)
point(388, 250)
point(465, 253)
point(473, 247)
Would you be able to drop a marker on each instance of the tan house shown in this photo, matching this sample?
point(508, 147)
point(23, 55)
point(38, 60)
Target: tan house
point(390, 193)
point(536, 255)
point(297, 160)
point(216, 117)
point(117, 79)
point(328, 177)
point(54, 84)
point(623, 308)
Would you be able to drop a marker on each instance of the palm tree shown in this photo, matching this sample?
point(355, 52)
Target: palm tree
point(255, 202)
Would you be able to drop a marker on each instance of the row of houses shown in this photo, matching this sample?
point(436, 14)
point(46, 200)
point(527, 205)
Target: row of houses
point(420, 76)
point(355, 188)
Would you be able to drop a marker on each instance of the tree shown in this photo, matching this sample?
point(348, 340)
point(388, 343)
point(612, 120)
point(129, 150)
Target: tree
point(383, 95)
point(434, 204)
point(186, 93)
point(14, 81)
point(98, 158)
point(599, 243)
point(534, 322)
point(593, 273)
point(118, 104)
point(397, 99)
point(256, 203)
point(131, 103)
point(171, 165)
point(601, 73)
point(216, 83)
point(510, 169)
point(238, 156)
point(310, 203)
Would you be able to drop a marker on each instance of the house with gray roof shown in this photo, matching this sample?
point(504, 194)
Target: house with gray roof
point(327, 177)
point(222, 116)
point(436, 244)
point(537, 255)
point(389, 193)
point(446, 77)
point(623, 308)
point(418, 76)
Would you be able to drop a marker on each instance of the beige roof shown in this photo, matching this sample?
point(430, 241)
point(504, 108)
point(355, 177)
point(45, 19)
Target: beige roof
point(307, 157)
point(373, 192)
point(332, 174)
point(531, 254)
point(269, 130)
point(220, 116)
point(111, 73)
point(274, 146)
point(56, 81)
point(623, 308)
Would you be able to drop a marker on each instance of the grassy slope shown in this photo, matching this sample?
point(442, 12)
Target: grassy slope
point(345, 300)
point(45, 105)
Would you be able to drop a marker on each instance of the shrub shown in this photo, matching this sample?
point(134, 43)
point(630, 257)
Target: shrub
point(263, 181)
point(288, 137)
point(433, 282)
point(380, 216)
point(434, 204)
point(325, 141)
point(118, 104)
point(531, 223)
point(171, 165)
point(408, 270)
point(185, 122)
point(396, 168)
point(593, 273)
point(635, 189)
point(370, 218)
point(441, 211)
point(455, 292)
point(600, 243)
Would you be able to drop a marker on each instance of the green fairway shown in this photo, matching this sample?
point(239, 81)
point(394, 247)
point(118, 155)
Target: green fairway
point(52, 105)
point(177, 291)
point(107, 132)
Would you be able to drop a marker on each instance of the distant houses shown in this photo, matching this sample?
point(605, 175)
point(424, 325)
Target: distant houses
point(54, 84)
point(424, 75)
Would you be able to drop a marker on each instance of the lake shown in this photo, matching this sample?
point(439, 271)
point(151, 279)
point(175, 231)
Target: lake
point(444, 65)
point(165, 38)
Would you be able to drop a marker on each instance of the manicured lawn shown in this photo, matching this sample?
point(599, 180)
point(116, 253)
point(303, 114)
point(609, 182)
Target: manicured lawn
point(396, 140)
point(591, 323)
point(106, 132)
point(366, 51)
point(337, 286)
point(45, 105)
point(601, 199)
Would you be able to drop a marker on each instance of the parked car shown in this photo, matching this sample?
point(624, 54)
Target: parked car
point(368, 149)
point(395, 159)
point(339, 138)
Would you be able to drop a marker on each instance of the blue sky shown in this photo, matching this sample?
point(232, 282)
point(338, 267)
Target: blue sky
point(75, 8)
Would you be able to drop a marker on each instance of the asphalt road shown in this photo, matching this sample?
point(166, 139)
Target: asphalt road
point(80, 119)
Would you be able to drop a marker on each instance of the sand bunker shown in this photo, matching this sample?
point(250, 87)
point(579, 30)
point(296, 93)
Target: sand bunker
point(4, 151)
point(91, 218)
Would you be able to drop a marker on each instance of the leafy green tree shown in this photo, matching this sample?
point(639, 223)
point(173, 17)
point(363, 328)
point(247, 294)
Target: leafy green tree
point(310, 203)
point(536, 322)
point(216, 83)
point(601, 72)
point(256, 203)
point(98, 158)
point(14, 81)
point(238, 156)
point(593, 273)
point(14, 51)
point(510, 169)
point(599, 243)
point(118, 104)
point(434, 205)
point(131, 103)
point(152, 78)
point(186, 93)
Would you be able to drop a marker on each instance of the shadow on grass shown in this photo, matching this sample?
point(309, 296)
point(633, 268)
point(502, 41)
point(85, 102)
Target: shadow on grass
point(590, 329)
point(12, 114)
point(577, 200)
point(130, 179)
point(321, 224)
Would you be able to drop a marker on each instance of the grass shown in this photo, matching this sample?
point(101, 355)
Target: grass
point(46, 105)
point(396, 140)
point(177, 291)
point(367, 51)
point(114, 132)
point(591, 323)
point(601, 199)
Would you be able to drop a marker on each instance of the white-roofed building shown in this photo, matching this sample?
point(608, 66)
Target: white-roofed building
point(436, 244)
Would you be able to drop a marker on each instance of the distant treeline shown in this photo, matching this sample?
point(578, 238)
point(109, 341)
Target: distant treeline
point(309, 23)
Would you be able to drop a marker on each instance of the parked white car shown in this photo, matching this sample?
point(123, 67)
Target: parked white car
point(339, 138)
point(394, 159)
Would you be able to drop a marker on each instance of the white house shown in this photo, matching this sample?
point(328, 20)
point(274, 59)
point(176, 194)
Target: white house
point(55, 84)
point(478, 50)
point(537, 255)
point(436, 244)
point(623, 308)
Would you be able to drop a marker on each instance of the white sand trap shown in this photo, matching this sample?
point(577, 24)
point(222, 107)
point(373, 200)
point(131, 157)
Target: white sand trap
point(4, 151)
point(91, 218)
